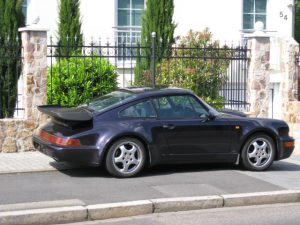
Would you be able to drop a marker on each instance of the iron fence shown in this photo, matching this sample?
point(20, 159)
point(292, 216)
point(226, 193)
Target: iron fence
point(10, 71)
point(205, 65)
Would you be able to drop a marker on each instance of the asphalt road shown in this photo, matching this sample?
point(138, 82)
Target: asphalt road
point(278, 214)
point(94, 185)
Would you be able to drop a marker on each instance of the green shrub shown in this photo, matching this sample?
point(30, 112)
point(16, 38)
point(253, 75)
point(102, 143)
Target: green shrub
point(199, 64)
point(76, 80)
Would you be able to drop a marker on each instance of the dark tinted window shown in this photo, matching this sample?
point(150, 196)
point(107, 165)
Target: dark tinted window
point(140, 110)
point(174, 107)
point(114, 98)
point(200, 110)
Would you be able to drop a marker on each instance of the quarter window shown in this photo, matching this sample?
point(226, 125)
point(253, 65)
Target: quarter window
point(140, 110)
point(254, 11)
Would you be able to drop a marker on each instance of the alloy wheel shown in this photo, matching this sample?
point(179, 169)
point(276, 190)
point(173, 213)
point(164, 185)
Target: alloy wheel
point(259, 152)
point(127, 157)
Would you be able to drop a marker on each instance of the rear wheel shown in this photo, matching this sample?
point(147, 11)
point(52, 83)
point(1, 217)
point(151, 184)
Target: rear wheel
point(258, 152)
point(126, 157)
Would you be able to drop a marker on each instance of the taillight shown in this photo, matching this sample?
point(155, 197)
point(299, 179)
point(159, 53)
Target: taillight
point(71, 142)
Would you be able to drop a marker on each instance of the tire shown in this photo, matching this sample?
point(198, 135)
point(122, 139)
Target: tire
point(125, 158)
point(258, 153)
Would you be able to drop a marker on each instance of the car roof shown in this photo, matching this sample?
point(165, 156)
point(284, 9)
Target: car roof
point(148, 92)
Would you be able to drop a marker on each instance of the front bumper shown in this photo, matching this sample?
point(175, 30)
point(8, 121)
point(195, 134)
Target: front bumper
point(83, 155)
point(283, 151)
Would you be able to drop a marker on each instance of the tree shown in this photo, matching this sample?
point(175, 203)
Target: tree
point(11, 18)
point(158, 18)
point(198, 64)
point(297, 21)
point(69, 27)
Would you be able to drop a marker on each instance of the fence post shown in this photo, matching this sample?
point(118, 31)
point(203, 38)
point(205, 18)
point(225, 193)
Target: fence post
point(34, 43)
point(153, 58)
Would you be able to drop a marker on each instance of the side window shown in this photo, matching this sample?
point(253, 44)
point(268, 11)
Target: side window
point(200, 110)
point(139, 110)
point(174, 107)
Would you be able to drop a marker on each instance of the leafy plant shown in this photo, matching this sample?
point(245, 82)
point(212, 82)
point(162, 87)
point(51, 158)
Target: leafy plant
point(197, 63)
point(76, 80)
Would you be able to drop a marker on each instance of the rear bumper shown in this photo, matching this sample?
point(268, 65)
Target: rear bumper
point(285, 152)
point(84, 155)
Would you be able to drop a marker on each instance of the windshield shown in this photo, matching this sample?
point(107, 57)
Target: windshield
point(111, 99)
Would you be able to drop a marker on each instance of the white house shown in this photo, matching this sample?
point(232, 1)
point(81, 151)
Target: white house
point(228, 20)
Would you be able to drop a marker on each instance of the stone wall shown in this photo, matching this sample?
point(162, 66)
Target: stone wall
point(292, 113)
point(289, 90)
point(263, 75)
point(259, 76)
point(16, 134)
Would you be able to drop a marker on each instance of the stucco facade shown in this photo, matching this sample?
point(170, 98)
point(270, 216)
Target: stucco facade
point(224, 18)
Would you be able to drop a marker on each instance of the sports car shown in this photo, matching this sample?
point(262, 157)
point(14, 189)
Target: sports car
point(128, 129)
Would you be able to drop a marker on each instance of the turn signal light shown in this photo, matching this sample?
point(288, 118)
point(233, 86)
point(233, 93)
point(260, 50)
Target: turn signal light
point(70, 142)
point(289, 144)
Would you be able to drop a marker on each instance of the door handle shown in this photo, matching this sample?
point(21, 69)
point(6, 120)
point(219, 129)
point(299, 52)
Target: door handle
point(169, 126)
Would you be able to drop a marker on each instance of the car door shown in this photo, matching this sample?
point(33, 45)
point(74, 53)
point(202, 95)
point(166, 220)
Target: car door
point(141, 119)
point(190, 135)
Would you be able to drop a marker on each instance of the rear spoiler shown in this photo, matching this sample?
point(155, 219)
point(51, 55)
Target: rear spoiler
point(66, 113)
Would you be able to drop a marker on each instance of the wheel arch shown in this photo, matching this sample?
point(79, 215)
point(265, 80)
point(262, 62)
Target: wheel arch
point(268, 132)
point(129, 135)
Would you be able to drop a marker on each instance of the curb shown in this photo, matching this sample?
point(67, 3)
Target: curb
point(133, 208)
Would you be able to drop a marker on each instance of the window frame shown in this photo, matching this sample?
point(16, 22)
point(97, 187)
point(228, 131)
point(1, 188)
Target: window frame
point(180, 118)
point(128, 32)
point(254, 14)
point(135, 103)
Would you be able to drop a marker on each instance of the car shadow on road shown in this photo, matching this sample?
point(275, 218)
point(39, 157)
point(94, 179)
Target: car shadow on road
point(84, 171)
point(284, 166)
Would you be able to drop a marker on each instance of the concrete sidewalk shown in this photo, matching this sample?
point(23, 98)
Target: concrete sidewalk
point(29, 162)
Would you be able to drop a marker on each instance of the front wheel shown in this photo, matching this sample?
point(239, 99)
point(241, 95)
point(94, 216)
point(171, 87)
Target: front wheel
point(258, 152)
point(126, 157)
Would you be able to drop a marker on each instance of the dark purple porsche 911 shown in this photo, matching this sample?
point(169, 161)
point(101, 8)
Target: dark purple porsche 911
point(131, 128)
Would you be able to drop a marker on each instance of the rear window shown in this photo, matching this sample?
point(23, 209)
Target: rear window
point(112, 99)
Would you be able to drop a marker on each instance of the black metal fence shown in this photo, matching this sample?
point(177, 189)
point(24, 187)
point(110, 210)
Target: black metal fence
point(217, 71)
point(10, 71)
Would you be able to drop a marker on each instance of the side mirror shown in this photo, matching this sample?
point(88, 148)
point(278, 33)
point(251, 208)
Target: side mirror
point(210, 116)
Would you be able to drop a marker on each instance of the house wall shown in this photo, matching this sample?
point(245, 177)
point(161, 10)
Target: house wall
point(224, 18)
